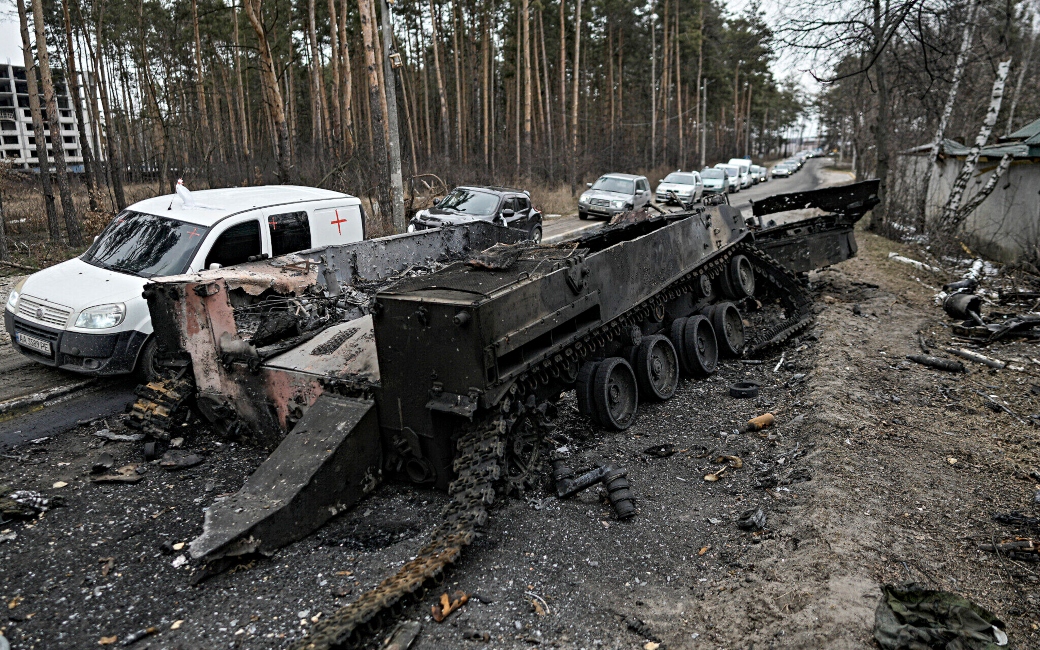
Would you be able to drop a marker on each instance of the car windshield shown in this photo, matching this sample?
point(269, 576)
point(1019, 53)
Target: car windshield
point(680, 179)
point(470, 201)
point(713, 173)
point(611, 184)
point(146, 245)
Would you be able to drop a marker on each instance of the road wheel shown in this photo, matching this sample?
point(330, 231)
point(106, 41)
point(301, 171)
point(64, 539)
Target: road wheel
point(656, 368)
point(583, 388)
point(675, 335)
point(147, 367)
point(615, 397)
point(702, 349)
point(729, 329)
point(583, 215)
point(536, 234)
point(738, 280)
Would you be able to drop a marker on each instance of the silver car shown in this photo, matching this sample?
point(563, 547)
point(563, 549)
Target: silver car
point(761, 174)
point(614, 193)
point(687, 186)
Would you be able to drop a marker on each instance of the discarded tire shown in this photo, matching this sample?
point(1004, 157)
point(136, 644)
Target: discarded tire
point(700, 346)
point(656, 367)
point(729, 329)
point(615, 395)
point(744, 389)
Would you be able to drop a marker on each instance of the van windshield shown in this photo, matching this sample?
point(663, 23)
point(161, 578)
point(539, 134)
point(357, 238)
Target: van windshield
point(146, 245)
point(713, 173)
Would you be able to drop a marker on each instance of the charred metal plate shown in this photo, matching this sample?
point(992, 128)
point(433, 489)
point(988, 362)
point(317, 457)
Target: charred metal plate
point(343, 350)
point(327, 463)
point(851, 200)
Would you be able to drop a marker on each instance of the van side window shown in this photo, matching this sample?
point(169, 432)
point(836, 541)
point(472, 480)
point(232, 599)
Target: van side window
point(290, 232)
point(236, 245)
point(641, 185)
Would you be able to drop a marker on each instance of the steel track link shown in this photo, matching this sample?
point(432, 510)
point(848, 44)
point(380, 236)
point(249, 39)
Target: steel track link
point(481, 448)
point(157, 403)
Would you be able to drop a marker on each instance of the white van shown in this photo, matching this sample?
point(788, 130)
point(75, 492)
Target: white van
point(87, 314)
point(744, 165)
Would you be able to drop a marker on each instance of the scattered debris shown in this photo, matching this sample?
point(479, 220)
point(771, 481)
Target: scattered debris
point(476, 635)
point(937, 362)
point(732, 461)
point(175, 459)
point(138, 635)
point(125, 474)
point(119, 437)
point(910, 616)
point(763, 421)
point(896, 257)
point(615, 480)
point(977, 358)
point(8, 535)
point(660, 451)
point(107, 564)
point(108, 640)
point(103, 463)
point(703, 550)
point(448, 605)
point(753, 519)
point(403, 636)
point(641, 628)
point(26, 503)
point(179, 561)
point(541, 607)
point(59, 484)
point(177, 624)
point(744, 389)
point(1016, 518)
point(711, 478)
point(780, 363)
point(1023, 549)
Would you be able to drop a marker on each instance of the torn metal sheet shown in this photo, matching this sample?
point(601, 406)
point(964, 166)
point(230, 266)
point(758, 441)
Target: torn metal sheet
point(329, 462)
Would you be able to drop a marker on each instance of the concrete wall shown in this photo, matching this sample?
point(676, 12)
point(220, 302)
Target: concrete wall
point(1007, 224)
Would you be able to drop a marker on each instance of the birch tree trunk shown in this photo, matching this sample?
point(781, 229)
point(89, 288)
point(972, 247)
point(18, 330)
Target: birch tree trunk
point(384, 223)
point(393, 124)
point(950, 219)
point(68, 208)
point(1018, 84)
point(986, 190)
point(316, 85)
point(958, 69)
point(53, 227)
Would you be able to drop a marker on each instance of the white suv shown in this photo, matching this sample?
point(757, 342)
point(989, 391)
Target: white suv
point(88, 315)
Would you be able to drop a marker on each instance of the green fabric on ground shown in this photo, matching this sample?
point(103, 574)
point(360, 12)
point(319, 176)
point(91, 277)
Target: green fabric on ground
point(910, 617)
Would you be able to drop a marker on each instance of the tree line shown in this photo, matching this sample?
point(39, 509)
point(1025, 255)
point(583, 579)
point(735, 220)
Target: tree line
point(322, 92)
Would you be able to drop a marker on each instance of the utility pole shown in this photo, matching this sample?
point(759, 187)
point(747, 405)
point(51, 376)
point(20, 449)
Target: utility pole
point(394, 151)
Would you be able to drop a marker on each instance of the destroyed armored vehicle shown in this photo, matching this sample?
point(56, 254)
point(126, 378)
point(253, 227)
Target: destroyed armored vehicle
point(437, 358)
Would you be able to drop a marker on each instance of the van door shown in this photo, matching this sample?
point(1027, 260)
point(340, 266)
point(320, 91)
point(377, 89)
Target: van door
point(232, 241)
point(338, 224)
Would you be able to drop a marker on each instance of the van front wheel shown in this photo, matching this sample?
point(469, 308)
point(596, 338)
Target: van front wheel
point(147, 367)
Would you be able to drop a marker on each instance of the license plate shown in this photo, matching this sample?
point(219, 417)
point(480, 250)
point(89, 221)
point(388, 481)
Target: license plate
point(33, 343)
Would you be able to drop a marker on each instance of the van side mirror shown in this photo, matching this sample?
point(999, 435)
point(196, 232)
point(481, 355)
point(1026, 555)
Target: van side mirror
point(214, 266)
point(97, 237)
point(588, 185)
point(436, 201)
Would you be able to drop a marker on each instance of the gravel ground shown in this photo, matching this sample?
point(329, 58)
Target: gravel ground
point(855, 481)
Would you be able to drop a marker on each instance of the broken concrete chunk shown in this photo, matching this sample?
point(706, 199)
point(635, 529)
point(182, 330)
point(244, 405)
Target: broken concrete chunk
point(116, 437)
point(125, 474)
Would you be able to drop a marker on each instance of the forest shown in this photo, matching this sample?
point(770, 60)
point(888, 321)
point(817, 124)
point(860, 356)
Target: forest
point(488, 91)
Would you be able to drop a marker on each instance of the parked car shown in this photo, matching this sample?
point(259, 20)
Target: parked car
point(614, 193)
point(716, 181)
point(507, 206)
point(735, 182)
point(781, 170)
point(747, 179)
point(688, 186)
point(87, 314)
point(760, 174)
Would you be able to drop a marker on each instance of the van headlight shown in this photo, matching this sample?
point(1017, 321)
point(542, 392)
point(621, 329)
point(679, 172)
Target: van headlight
point(411, 227)
point(16, 293)
point(102, 316)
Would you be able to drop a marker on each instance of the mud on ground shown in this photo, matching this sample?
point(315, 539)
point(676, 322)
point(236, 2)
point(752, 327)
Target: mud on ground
point(878, 470)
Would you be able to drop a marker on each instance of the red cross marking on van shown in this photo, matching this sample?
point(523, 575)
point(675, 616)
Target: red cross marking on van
point(338, 221)
point(194, 233)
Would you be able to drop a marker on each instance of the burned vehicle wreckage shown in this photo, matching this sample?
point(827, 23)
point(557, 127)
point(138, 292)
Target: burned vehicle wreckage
point(437, 357)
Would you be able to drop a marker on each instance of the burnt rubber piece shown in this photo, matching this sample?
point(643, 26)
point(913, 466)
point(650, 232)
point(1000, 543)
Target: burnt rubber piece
point(619, 494)
point(675, 335)
point(744, 389)
point(583, 388)
point(700, 346)
point(962, 305)
point(656, 368)
point(615, 395)
point(728, 324)
point(738, 280)
point(151, 451)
